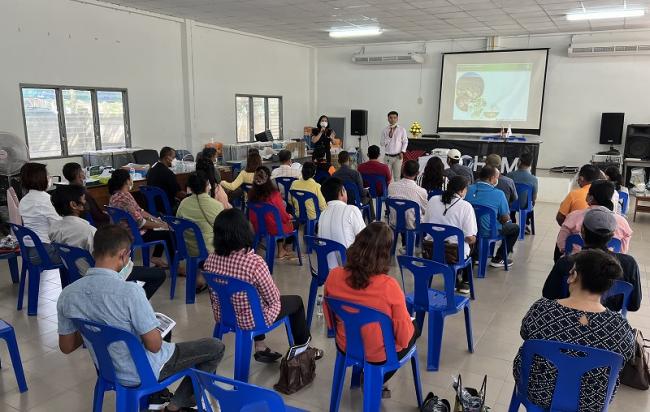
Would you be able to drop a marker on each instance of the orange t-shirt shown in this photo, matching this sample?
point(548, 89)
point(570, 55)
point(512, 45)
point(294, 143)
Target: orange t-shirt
point(384, 294)
point(575, 200)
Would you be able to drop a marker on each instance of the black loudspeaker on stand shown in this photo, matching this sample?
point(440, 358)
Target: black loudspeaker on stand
point(359, 127)
point(637, 142)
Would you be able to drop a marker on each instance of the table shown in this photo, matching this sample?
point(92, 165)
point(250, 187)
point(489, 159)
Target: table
point(641, 197)
point(628, 163)
point(474, 149)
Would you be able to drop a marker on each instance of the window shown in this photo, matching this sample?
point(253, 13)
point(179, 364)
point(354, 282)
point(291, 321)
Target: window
point(256, 114)
point(67, 121)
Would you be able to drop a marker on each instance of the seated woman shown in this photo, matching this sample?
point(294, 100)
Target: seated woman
point(36, 208)
point(119, 187)
point(233, 189)
point(201, 209)
point(264, 191)
point(364, 280)
point(233, 256)
point(433, 177)
point(579, 319)
point(308, 184)
point(205, 163)
point(614, 175)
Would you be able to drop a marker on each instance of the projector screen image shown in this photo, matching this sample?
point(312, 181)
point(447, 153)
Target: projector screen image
point(485, 91)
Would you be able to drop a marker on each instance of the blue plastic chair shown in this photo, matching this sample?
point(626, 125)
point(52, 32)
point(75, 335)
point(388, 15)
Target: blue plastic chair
point(302, 218)
point(235, 396)
point(576, 240)
point(118, 216)
point(12, 260)
point(245, 187)
point(7, 333)
point(354, 317)
point(438, 304)
point(235, 166)
point(570, 369)
point(486, 241)
point(32, 269)
point(374, 181)
point(155, 197)
point(180, 227)
point(624, 200)
point(401, 207)
point(439, 234)
point(620, 287)
point(524, 191)
point(226, 287)
point(285, 183)
point(323, 248)
point(127, 398)
point(434, 192)
point(352, 189)
point(261, 210)
point(89, 218)
point(321, 176)
point(70, 255)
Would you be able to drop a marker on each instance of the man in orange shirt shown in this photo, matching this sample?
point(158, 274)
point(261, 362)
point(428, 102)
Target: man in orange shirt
point(577, 198)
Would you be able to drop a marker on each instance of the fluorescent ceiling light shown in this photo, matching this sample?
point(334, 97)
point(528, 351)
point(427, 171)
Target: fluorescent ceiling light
point(358, 32)
point(605, 14)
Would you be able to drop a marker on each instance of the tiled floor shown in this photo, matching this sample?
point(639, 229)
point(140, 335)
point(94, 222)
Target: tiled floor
point(60, 382)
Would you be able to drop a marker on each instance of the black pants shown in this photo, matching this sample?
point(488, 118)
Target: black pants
point(166, 235)
point(152, 278)
point(511, 232)
point(557, 254)
point(292, 306)
point(529, 217)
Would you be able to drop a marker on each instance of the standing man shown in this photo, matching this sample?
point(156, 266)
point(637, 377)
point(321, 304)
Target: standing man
point(160, 175)
point(395, 141)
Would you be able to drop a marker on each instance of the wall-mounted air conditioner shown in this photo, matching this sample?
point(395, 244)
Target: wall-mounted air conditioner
point(406, 58)
point(624, 48)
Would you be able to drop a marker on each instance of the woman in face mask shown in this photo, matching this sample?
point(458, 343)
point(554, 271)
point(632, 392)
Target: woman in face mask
point(120, 186)
point(322, 136)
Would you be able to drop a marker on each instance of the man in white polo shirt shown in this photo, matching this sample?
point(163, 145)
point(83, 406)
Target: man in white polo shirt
point(339, 221)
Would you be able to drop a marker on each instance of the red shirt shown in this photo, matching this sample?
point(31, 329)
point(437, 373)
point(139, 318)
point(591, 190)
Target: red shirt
point(374, 167)
point(275, 199)
point(384, 294)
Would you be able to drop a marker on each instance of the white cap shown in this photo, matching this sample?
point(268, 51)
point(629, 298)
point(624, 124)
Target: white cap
point(454, 154)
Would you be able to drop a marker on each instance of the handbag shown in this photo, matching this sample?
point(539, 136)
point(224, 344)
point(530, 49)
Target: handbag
point(296, 372)
point(469, 399)
point(451, 251)
point(636, 372)
point(432, 403)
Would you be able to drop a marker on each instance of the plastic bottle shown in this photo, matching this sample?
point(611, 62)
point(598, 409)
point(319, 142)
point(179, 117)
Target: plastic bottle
point(319, 305)
point(132, 173)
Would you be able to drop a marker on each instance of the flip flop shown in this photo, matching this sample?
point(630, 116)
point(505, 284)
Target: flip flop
point(202, 288)
point(267, 356)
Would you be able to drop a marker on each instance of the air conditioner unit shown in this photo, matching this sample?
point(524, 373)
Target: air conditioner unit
point(407, 58)
point(626, 48)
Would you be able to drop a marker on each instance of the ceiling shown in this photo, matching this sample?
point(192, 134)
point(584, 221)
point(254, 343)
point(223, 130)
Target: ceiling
point(308, 21)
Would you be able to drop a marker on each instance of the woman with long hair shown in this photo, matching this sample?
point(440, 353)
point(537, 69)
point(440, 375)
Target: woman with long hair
point(614, 175)
point(205, 165)
point(433, 176)
point(365, 280)
point(264, 191)
point(322, 136)
point(233, 189)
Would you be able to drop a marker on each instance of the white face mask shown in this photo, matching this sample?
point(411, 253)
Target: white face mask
point(126, 270)
point(323, 124)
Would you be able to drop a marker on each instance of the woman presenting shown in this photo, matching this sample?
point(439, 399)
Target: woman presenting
point(322, 136)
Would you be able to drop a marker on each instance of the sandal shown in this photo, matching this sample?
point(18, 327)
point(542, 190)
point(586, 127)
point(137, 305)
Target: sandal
point(201, 289)
point(318, 353)
point(267, 356)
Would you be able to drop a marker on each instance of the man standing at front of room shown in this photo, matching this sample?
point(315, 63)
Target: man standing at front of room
point(394, 140)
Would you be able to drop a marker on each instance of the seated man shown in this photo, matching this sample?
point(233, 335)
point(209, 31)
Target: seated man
point(70, 203)
point(348, 174)
point(324, 169)
point(103, 296)
point(577, 198)
point(75, 175)
point(456, 167)
point(505, 184)
point(285, 169)
point(597, 230)
point(339, 222)
point(407, 189)
point(308, 184)
point(485, 193)
point(160, 175)
point(524, 175)
point(598, 197)
point(374, 167)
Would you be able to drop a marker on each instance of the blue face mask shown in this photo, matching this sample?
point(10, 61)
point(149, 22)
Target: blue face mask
point(126, 270)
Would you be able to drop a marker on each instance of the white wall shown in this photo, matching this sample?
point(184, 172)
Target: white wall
point(578, 90)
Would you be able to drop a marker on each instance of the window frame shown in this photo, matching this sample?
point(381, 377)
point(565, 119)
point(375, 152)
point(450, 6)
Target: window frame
point(251, 115)
point(63, 138)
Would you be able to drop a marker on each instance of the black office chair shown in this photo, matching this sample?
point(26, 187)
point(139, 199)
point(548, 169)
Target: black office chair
point(145, 156)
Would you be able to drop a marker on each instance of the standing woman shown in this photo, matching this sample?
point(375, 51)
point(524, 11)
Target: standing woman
point(322, 136)
point(433, 177)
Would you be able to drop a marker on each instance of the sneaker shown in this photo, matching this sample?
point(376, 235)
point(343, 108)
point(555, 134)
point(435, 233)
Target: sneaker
point(402, 250)
point(528, 230)
point(498, 262)
point(463, 288)
point(158, 400)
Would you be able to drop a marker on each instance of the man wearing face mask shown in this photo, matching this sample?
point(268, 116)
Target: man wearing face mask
point(162, 176)
point(70, 203)
point(485, 193)
point(394, 140)
point(102, 296)
point(322, 136)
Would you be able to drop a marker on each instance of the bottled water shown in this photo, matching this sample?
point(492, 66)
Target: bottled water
point(319, 306)
point(132, 173)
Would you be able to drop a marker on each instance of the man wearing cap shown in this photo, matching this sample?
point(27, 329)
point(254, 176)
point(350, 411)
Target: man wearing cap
point(505, 184)
point(394, 140)
point(599, 196)
point(597, 230)
point(456, 168)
